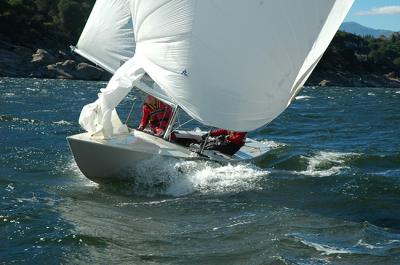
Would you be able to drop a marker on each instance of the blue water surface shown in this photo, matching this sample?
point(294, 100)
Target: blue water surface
point(327, 193)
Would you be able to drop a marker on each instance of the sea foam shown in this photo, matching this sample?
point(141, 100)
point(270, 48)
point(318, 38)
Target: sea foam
point(324, 164)
point(182, 177)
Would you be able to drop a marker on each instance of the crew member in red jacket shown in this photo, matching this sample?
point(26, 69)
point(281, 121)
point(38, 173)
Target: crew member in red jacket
point(156, 114)
point(227, 142)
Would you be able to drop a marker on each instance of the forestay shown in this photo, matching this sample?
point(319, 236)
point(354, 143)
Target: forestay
point(228, 63)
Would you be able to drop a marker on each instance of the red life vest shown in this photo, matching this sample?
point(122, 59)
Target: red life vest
point(156, 115)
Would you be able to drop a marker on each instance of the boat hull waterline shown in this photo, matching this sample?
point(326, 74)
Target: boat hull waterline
point(115, 159)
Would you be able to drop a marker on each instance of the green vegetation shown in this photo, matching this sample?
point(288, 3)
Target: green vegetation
point(30, 22)
point(353, 53)
point(58, 23)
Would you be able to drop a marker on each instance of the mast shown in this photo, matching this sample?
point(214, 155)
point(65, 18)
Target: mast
point(171, 123)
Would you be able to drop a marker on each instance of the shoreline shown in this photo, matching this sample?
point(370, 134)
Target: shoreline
point(23, 62)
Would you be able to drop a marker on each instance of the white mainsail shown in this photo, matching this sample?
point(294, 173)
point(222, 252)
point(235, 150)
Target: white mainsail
point(228, 63)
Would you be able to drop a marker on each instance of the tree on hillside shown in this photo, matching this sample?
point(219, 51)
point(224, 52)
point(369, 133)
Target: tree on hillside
point(72, 16)
point(48, 7)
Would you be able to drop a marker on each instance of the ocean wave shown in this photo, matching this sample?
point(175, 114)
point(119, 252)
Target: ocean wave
point(62, 122)
point(177, 178)
point(173, 177)
point(368, 245)
point(387, 173)
point(72, 169)
point(303, 97)
point(206, 178)
point(272, 144)
point(324, 164)
point(326, 249)
point(32, 89)
point(8, 118)
point(156, 202)
point(387, 161)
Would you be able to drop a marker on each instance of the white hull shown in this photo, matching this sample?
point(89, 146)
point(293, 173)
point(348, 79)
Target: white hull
point(108, 159)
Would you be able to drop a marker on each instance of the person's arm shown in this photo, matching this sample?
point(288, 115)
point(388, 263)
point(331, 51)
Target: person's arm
point(238, 138)
point(158, 131)
point(219, 132)
point(145, 118)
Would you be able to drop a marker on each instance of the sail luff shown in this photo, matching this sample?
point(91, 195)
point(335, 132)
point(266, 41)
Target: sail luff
point(331, 25)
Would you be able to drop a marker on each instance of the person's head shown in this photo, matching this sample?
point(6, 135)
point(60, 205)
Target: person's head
point(150, 99)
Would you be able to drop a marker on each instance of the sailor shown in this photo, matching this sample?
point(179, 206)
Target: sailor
point(156, 114)
point(227, 142)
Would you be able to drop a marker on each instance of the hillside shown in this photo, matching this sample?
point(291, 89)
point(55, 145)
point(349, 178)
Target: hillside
point(35, 36)
point(358, 29)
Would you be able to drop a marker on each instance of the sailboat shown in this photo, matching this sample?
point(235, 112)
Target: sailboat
point(229, 64)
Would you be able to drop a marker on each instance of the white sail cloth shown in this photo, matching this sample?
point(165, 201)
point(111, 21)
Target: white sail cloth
point(100, 118)
point(230, 63)
point(108, 38)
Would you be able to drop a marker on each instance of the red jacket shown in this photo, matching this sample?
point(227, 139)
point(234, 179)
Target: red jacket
point(238, 138)
point(157, 116)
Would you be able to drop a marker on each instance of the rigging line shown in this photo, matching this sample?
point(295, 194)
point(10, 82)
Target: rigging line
point(130, 112)
point(165, 113)
point(181, 125)
point(204, 144)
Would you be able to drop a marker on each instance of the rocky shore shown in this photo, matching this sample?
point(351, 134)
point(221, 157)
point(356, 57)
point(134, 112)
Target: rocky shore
point(20, 61)
point(347, 79)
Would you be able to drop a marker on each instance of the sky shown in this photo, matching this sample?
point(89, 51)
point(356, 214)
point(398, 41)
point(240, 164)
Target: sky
point(377, 14)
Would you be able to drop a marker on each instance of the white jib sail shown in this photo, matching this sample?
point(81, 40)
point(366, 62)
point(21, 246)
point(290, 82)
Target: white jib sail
point(100, 118)
point(108, 38)
point(231, 63)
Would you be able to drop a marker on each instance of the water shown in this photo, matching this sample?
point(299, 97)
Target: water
point(327, 193)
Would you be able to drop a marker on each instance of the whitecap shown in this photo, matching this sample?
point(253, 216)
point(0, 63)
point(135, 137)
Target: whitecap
point(272, 144)
point(388, 173)
point(303, 97)
point(326, 249)
point(320, 247)
point(363, 244)
point(325, 164)
point(371, 94)
point(174, 177)
point(207, 178)
point(62, 122)
point(32, 89)
point(179, 178)
point(10, 187)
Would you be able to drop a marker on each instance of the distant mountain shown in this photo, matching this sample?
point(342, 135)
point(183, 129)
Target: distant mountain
point(355, 28)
